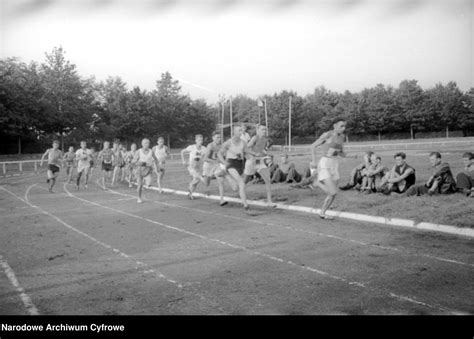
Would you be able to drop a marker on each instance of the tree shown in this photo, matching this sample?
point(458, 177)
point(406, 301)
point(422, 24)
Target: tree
point(409, 97)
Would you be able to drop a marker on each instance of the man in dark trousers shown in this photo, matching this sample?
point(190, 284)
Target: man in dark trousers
point(441, 182)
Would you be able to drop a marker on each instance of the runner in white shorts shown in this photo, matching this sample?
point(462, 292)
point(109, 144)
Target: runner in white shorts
point(83, 157)
point(55, 158)
point(328, 167)
point(259, 145)
point(130, 167)
point(161, 153)
point(145, 160)
point(212, 166)
point(196, 154)
point(69, 159)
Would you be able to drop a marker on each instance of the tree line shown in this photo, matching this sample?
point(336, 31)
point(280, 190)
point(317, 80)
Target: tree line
point(41, 101)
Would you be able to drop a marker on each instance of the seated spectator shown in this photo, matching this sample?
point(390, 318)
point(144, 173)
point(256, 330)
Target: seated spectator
point(356, 174)
point(309, 174)
point(441, 182)
point(400, 178)
point(465, 179)
point(376, 170)
point(286, 172)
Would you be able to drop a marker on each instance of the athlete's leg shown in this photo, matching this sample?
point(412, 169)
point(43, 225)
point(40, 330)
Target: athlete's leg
point(139, 188)
point(240, 183)
point(265, 174)
point(331, 191)
point(79, 175)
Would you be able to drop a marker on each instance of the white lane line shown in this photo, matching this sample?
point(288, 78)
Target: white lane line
point(261, 254)
point(30, 307)
point(98, 242)
point(361, 243)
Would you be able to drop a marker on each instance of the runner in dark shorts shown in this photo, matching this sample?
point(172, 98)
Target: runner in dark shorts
point(106, 158)
point(55, 158)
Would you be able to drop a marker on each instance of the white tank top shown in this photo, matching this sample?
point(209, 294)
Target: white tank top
point(160, 153)
point(145, 157)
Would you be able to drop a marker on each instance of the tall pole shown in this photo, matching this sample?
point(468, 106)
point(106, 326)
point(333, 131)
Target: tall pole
point(289, 125)
point(222, 124)
point(231, 130)
point(266, 116)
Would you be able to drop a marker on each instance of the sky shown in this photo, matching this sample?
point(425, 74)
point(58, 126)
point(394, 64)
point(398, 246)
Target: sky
point(247, 47)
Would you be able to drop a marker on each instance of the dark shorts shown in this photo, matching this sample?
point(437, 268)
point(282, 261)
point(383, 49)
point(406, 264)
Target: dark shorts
point(53, 168)
point(106, 167)
point(143, 170)
point(92, 163)
point(236, 164)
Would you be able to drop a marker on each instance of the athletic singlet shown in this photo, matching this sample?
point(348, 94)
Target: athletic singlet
point(54, 156)
point(160, 153)
point(80, 153)
point(129, 156)
point(145, 158)
point(195, 155)
point(107, 156)
point(260, 146)
point(235, 151)
point(70, 157)
point(212, 150)
point(333, 141)
point(118, 157)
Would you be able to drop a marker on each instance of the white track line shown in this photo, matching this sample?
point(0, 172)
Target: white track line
point(330, 236)
point(30, 307)
point(138, 264)
point(271, 257)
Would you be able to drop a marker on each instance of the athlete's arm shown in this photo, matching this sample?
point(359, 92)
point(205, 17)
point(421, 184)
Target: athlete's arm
point(44, 156)
point(220, 154)
point(186, 150)
point(207, 154)
point(252, 141)
point(322, 139)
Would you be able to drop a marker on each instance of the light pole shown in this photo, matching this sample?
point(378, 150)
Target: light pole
point(289, 124)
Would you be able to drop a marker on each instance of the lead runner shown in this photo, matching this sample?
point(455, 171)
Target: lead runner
point(55, 159)
point(328, 167)
point(144, 159)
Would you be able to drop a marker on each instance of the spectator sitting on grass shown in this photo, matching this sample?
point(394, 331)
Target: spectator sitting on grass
point(356, 174)
point(370, 174)
point(400, 178)
point(286, 172)
point(272, 167)
point(465, 180)
point(441, 182)
point(309, 174)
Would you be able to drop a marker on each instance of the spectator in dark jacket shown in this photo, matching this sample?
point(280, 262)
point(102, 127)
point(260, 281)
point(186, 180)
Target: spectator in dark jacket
point(441, 182)
point(465, 179)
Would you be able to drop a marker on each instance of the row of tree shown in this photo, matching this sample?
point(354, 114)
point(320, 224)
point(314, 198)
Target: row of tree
point(39, 101)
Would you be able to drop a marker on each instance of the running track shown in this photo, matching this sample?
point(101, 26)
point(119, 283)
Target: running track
point(98, 252)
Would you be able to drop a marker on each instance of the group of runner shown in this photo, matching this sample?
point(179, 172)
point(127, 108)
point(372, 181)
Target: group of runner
point(236, 161)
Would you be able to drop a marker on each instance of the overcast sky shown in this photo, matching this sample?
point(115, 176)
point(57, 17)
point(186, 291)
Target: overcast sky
point(233, 47)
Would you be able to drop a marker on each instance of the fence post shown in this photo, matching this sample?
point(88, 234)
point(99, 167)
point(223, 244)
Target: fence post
point(36, 167)
point(4, 169)
point(21, 167)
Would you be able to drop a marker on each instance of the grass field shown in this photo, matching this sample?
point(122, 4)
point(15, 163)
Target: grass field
point(452, 209)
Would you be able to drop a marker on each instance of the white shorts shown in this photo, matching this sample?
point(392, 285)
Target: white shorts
point(83, 166)
point(254, 165)
point(210, 169)
point(328, 168)
point(194, 172)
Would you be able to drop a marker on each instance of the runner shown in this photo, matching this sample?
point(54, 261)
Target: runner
point(328, 167)
point(69, 159)
point(83, 157)
point(124, 153)
point(161, 153)
point(234, 150)
point(130, 167)
point(55, 158)
point(212, 167)
point(106, 158)
point(144, 159)
point(259, 145)
point(93, 161)
point(196, 153)
point(118, 163)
